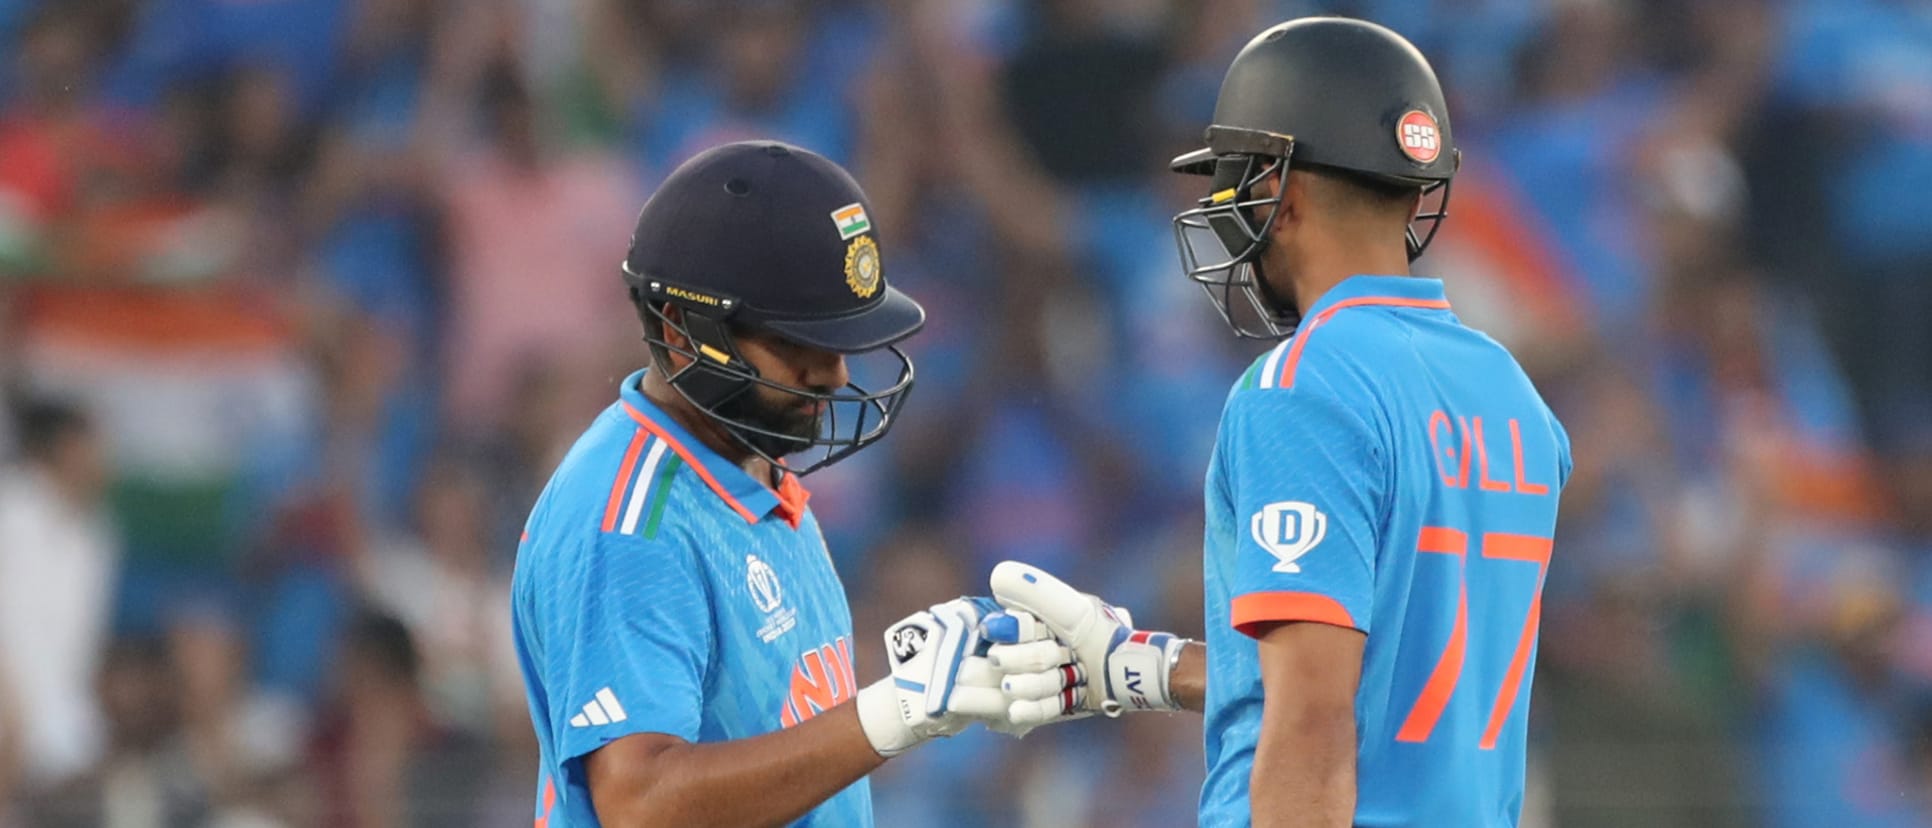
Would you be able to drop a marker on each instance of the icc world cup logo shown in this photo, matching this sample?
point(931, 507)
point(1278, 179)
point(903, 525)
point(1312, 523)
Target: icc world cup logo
point(763, 583)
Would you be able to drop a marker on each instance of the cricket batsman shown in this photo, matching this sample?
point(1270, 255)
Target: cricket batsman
point(1384, 483)
point(684, 641)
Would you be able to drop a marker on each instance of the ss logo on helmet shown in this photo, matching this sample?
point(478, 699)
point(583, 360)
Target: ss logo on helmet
point(1418, 136)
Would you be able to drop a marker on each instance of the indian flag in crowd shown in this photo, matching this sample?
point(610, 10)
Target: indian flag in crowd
point(207, 403)
point(851, 220)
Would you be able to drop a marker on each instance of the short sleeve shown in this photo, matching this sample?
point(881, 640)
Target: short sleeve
point(1307, 475)
point(1564, 461)
point(627, 644)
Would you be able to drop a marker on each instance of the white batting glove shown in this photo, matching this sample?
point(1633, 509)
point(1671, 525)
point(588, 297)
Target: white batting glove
point(940, 681)
point(1043, 663)
point(1098, 663)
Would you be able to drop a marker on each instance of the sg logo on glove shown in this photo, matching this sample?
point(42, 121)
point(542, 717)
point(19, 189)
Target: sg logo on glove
point(1288, 530)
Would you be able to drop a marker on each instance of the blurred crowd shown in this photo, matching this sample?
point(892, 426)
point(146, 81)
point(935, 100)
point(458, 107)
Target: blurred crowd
point(302, 299)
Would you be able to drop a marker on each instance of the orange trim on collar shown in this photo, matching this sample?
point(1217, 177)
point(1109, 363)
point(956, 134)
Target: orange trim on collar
point(1301, 338)
point(792, 496)
point(692, 461)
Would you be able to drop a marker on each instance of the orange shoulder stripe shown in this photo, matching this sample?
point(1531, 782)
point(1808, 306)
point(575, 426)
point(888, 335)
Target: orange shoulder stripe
point(1301, 338)
point(623, 476)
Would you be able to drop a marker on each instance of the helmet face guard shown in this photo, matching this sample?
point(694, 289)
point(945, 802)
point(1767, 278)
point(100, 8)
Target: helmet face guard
point(1221, 239)
point(718, 380)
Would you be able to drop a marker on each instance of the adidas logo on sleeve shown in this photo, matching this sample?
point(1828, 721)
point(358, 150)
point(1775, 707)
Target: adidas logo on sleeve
point(601, 710)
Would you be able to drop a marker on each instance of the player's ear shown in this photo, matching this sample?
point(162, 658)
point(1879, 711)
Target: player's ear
point(1295, 199)
point(673, 321)
point(1289, 212)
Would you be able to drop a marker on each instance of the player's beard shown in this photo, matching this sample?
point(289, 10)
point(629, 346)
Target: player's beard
point(1278, 298)
point(791, 428)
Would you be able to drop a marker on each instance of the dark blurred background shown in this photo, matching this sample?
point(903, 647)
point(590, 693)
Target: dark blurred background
point(302, 299)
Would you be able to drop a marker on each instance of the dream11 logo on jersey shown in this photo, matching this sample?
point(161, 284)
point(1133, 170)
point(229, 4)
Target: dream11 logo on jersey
point(1288, 530)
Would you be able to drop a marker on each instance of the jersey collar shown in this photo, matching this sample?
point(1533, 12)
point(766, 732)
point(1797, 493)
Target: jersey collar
point(1414, 291)
point(751, 499)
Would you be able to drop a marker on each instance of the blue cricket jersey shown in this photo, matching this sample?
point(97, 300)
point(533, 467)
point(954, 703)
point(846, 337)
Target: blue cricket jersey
point(661, 589)
point(1390, 470)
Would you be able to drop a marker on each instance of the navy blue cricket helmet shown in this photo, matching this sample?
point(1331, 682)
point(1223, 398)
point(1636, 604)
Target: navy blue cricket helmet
point(762, 236)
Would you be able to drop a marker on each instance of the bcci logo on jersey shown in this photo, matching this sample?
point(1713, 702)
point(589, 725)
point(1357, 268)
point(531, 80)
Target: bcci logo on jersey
point(762, 582)
point(1288, 530)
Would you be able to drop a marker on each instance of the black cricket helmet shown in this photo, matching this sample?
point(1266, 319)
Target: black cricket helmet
point(765, 237)
point(1344, 95)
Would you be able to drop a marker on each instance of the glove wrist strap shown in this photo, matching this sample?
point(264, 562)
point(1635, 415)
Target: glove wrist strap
point(1138, 670)
point(885, 727)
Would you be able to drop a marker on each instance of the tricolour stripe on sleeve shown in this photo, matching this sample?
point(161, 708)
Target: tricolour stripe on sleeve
point(661, 494)
point(624, 470)
point(1251, 378)
point(642, 486)
point(692, 461)
point(1272, 367)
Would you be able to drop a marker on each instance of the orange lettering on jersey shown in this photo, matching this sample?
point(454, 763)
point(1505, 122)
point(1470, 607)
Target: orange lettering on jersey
point(1468, 450)
point(821, 680)
point(1516, 448)
point(1482, 459)
point(549, 801)
point(1461, 479)
point(814, 685)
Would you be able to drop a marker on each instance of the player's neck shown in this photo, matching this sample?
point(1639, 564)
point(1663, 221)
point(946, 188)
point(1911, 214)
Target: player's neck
point(706, 429)
point(1324, 267)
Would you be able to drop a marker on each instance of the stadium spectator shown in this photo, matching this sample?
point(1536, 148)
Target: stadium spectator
point(58, 556)
point(379, 757)
point(145, 776)
point(532, 226)
point(444, 584)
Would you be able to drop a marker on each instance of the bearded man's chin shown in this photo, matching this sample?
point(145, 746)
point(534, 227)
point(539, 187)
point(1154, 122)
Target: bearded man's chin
point(793, 432)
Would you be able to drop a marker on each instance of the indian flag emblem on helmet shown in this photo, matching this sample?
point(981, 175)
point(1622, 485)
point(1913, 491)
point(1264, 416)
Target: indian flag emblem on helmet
point(862, 267)
point(851, 220)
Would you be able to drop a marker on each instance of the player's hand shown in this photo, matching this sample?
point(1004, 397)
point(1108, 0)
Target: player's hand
point(940, 682)
point(1038, 678)
point(1098, 662)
